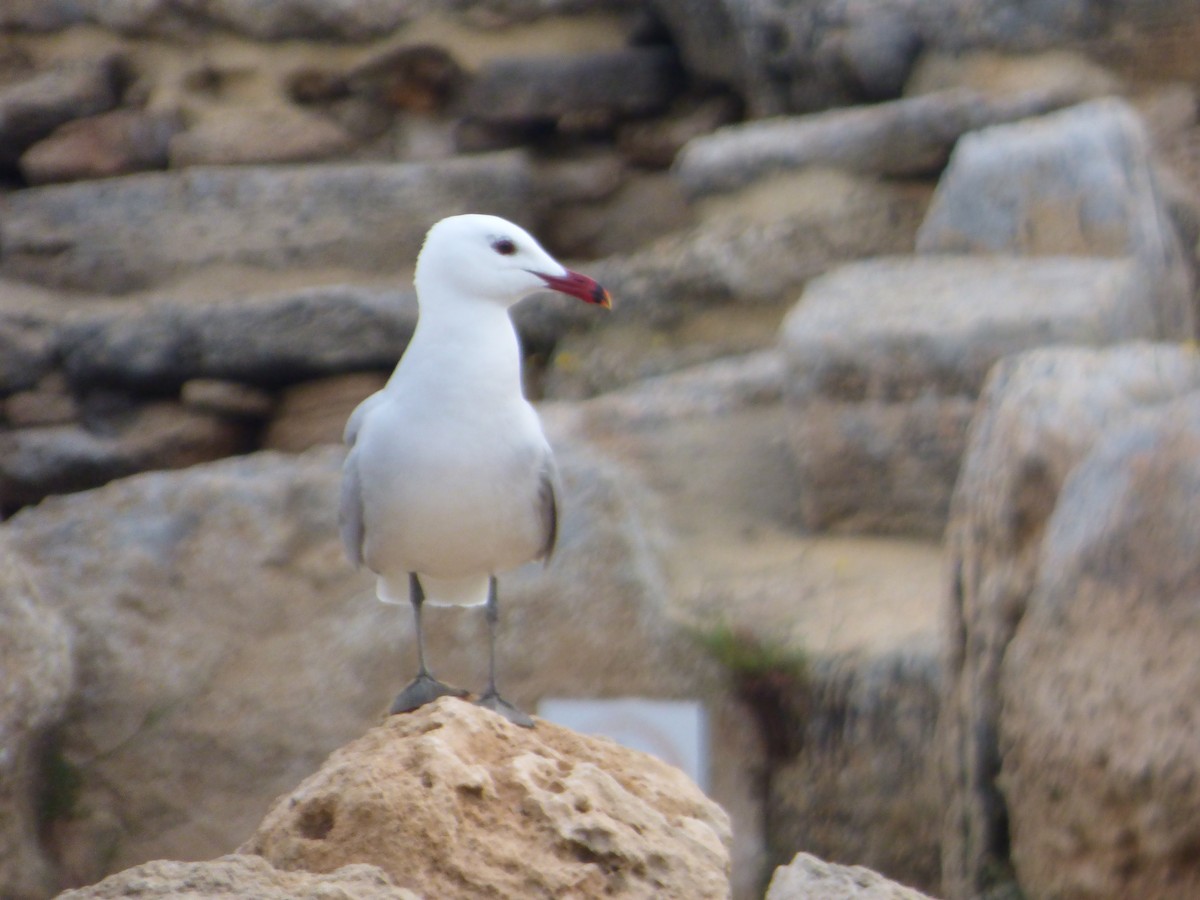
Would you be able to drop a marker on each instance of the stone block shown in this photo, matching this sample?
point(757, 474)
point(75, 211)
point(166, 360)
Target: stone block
point(119, 234)
point(1039, 414)
point(887, 357)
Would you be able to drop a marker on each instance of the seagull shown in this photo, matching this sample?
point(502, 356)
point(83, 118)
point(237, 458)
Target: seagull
point(449, 479)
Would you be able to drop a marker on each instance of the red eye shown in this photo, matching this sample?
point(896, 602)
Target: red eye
point(504, 247)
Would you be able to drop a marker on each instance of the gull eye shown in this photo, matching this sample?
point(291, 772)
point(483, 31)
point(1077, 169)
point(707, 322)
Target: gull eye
point(504, 246)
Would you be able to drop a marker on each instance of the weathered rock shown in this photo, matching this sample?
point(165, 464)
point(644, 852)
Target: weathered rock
point(756, 247)
point(312, 413)
point(120, 142)
point(832, 641)
point(242, 875)
point(37, 674)
point(263, 339)
point(613, 85)
point(461, 802)
point(270, 135)
point(710, 40)
point(886, 359)
point(655, 142)
point(862, 785)
point(1078, 182)
point(344, 20)
point(713, 389)
point(32, 108)
point(1100, 685)
point(202, 602)
point(642, 208)
point(419, 78)
point(619, 355)
point(122, 233)
point(49, 402)
point(906, 137)
point(785, 58)
point(37, 462)
point(213, 610)
point(1069, 75)
point(1038, 415)
point(808, 878)
point(26, 347)
point(580, 179)
point(226, 398)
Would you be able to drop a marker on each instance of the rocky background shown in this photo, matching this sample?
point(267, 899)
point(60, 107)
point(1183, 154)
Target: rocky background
point(889, 451)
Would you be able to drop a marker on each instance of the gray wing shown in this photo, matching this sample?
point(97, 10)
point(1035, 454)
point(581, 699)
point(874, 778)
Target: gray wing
point(549, 488)
point(350, 510)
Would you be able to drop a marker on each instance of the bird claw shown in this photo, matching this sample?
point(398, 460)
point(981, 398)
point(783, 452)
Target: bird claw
point(423, 689)
point(498, 704)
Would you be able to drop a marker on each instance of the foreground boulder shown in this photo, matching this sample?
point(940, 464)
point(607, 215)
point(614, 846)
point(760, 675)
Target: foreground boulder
point(454, 801)
point(808, 878)
point(1039, 414)
point(1100, 687)
point(240, 875)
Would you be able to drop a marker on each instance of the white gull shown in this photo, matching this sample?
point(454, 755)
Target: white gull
point(449, 479)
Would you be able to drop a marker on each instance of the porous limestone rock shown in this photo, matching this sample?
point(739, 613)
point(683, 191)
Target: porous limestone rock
point(1100, 686)
point(238, 876)
point(453, 801)
point(1039, 414)
point(808, 878)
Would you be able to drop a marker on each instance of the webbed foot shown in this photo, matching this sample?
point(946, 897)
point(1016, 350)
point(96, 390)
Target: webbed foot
point(423, 689)
point(493, 701)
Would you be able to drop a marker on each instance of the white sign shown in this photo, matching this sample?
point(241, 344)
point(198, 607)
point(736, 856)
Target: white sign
point(676, 731)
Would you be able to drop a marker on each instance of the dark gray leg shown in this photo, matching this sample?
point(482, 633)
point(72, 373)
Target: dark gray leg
point(491, 698)
point(424, 688)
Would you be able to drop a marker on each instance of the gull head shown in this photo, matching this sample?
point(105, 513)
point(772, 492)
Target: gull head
point(489, 259)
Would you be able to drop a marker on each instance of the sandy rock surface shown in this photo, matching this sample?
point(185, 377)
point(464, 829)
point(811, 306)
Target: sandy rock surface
point(454, 801)
point(238, 876)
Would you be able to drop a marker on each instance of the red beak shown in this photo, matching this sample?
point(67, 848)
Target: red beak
point(586, 289)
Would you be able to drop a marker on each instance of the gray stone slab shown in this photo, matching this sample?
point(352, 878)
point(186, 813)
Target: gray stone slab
point(123, 233)
point(886, 359)
point(906, 137)
point(1081, 181)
